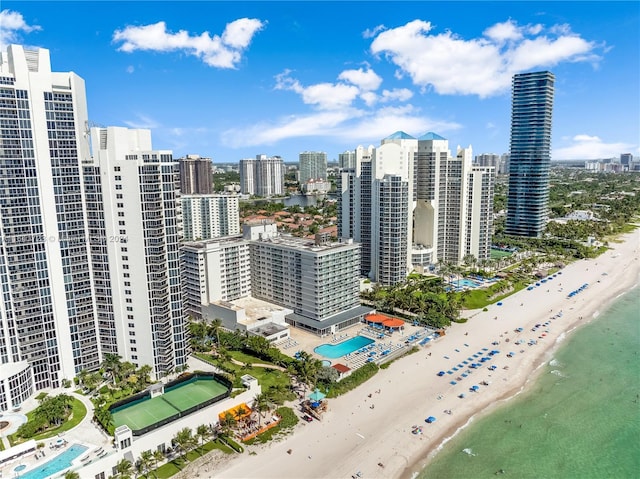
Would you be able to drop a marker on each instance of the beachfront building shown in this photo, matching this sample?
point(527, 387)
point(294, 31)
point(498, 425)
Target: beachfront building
point(214, 270)
point(312, 166)
point(530, 150)
point(196, 176)
point(262, 176)
point(317, 279)
point(209, 216)
point(347, 159)
point(140, 271)
point(43, 225)
point(412, 205)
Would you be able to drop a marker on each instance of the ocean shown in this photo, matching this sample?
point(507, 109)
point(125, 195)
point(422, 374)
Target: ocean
point(579, 419)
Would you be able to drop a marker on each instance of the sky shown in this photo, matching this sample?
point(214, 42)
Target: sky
point(231, 80)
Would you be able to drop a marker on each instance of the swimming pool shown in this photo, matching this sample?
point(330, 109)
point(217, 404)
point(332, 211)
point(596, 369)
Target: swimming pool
point(467, 283)
point(345, 347)
point(57, 464)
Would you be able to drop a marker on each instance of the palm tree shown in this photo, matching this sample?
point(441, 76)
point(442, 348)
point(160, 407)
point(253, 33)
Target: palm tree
point(111, 365)
point(124, 468)
point(146, 460)
point(260, 405)
point(214, 328)
point(202, 433)
point(158, 456)
point(183, 440)
point(71, 475)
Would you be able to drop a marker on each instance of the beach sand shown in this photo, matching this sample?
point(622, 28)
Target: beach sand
point(378, 442)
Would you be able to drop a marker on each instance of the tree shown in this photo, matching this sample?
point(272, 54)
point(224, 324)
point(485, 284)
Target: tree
point(71, 475)
point(183, 440)
point(146, 461)
point(202, 433)
point(158, 457)
point(214, 329)
point(111, 364)
point(124, 468)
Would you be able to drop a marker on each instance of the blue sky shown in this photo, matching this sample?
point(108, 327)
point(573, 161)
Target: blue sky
point(230, 80)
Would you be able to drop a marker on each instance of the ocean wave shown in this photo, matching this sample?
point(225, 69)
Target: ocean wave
point(554, 362)
point(468, 451)
point(558, 373)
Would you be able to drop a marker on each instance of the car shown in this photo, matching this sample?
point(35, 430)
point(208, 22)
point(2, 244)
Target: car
point(307, 418)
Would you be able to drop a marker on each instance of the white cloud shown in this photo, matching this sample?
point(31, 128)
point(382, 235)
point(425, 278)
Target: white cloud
point(372, 32)
point(502, 32)
point(481, 66)
point(400, 94)
point(366, 80)
point(215, 51)
point(587, 147)
point(352, 125)
point(142, 121)
point(130, 69)
point(11, 25)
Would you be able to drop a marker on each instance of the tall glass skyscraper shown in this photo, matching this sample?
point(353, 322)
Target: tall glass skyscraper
point(531, 109)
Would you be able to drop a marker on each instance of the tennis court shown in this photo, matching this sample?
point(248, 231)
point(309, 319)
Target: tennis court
point(181, 397)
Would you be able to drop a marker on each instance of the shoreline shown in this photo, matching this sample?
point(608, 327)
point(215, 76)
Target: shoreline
point(421, 463)
point(356, 438)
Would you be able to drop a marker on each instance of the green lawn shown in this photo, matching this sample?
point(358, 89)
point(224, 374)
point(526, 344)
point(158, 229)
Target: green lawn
point(497, 254)
point(266, 377)
point(78, 412)
point(479, 298)
point(174, 467)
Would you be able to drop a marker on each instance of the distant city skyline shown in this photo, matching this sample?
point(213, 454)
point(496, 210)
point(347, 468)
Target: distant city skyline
point(231, 80)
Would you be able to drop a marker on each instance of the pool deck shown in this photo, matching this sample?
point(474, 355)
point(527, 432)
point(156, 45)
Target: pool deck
point(308, 342)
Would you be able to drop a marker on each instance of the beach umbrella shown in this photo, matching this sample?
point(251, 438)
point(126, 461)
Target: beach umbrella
point(500, 303)
point(475, 387)
point(430, 419)
point(441, 373)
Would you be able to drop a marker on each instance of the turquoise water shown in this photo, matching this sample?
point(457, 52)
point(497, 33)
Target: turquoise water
point(580, 419)
point(345, 347)
point(57, 464)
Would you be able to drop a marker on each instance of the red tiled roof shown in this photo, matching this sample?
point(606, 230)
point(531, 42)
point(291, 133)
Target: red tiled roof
point(341, 368)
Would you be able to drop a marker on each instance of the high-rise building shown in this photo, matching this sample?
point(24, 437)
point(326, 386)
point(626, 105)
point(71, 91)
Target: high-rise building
point(626, 159)
point(312, 166)
point(411, 205)
point(263, 176)
point(48, 327)
point(196, 175)
point(530, 150)
point(214, 270)
point(140, 189)
point(347, 159)
point(209, 216)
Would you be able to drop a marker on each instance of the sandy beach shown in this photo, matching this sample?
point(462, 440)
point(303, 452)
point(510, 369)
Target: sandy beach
point(378, 442)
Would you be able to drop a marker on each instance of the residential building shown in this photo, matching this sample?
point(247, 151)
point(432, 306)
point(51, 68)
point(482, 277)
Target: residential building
point(214, 270)
point(141, 234)
point(196, 175)
point(626, 159)
point(209, 216)
point(262, 176)
point(318, 280)
point(347, 159)
point(411, 205)
point(312, 166)
point(530, 150)
point(48, 325)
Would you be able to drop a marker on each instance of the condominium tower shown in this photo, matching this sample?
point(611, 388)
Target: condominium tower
point(530, 149)
point(209, 216)
point(62, 257)
point(262, 176)
point(412, 205)
point(195, 175)
point(141, 234)
point(312, 166)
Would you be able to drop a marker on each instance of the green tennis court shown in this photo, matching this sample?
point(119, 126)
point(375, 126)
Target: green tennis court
point(182, 397)
point(144, 413)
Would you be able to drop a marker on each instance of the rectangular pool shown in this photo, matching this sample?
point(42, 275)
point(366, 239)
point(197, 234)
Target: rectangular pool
point(345, 347)
point(57, 464)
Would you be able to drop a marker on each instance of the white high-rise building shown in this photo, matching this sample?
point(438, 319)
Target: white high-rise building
point(209, 216)
point(263, 176)
point(312, 166)
point(214, 270)
point(347, 159)
point(412, 205)
point(48, 326)
point(140, 188)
